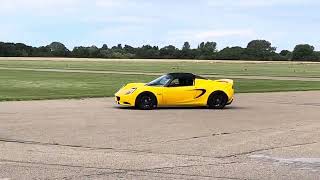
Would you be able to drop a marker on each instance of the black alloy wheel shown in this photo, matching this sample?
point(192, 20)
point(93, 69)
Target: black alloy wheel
point(217, 101)
point(146, 102)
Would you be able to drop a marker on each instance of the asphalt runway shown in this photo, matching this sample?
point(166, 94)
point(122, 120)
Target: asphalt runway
point(260, 136)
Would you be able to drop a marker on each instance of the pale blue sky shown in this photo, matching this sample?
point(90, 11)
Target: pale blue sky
point(135, 22)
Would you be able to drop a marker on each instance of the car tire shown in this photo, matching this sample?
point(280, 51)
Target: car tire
point(146, 101)
point(217, 100)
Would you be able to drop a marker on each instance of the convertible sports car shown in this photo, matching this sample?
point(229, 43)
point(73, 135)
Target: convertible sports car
point(177, 89)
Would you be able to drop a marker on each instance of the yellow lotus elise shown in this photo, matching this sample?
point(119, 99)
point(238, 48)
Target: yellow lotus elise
point(177, 89)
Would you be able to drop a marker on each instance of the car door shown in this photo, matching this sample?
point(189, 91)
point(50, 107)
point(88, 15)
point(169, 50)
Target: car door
point(178, 93)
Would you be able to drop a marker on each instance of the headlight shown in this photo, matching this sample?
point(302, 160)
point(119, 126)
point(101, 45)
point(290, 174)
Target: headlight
point(131, 91)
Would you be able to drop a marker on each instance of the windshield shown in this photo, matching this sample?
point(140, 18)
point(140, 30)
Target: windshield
point(161, 81)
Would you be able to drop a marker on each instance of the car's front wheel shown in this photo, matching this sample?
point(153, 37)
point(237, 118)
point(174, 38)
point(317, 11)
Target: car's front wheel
point(217, 100)
point(146, 101)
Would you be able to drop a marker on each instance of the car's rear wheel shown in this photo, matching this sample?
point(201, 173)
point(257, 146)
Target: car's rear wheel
point(217, 100)
point(146, 101)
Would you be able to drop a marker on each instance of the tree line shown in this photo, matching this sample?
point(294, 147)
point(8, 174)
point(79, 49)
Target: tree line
point(255, 50)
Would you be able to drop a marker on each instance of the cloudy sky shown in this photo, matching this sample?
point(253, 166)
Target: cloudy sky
point(228, 22)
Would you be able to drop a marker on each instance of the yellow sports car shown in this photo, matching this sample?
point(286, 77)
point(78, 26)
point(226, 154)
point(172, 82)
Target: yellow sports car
point(177, 89)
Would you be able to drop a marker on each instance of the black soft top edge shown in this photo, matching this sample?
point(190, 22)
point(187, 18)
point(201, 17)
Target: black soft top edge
point(200, 77)
point(182, 75)
point(185, 75)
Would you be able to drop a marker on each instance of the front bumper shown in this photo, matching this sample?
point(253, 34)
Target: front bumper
point(124, 100)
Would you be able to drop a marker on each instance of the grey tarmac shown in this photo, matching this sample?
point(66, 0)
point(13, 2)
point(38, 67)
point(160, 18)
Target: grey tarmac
point(260, 136)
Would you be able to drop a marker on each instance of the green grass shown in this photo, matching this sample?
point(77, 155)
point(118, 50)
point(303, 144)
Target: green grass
point(28, 85)
point(31, 85)
point(282, 70)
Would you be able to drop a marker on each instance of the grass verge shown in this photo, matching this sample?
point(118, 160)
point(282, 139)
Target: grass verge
point(32, 85)
point(234, 69)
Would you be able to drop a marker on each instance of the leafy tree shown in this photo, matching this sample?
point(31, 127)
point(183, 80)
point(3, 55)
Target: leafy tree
point(58, 49)
point(285, 52)
point(187, 52)
point(233, 53)
point(104, 47)
point(117, 49)
point(259, 50)
point(7, 50)
point(42, 51)
point(284, 55)
point(129, 49)
point(80, 52)
point(169, 52)
point(201, 45)
point(148, 51)
point(303, 52)
point(317, 53)
point(186, 46)
point(23, 50)
point(210, 47)
point(207, 50)
point(119, 46)
point(93, 51)
point(262, 45)
point(104, 53)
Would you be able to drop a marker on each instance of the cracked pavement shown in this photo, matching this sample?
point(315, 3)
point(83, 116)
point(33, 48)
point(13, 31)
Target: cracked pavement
point(260, 136)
